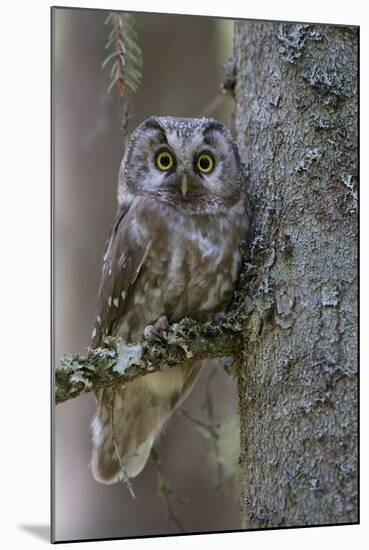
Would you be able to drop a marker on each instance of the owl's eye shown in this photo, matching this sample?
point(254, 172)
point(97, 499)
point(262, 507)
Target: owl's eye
point(164, 160)
point(205, 163)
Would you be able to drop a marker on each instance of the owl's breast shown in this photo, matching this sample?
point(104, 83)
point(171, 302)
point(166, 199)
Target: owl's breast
point(201, 267)
point(190, 270)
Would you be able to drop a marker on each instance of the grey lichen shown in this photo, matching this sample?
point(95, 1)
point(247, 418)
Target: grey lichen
point(293, 38)
point(311, 156)
point(326, 84)
point(128, 355)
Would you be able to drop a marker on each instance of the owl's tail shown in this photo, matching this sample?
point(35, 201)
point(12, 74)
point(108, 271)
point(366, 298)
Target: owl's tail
point(129, 419)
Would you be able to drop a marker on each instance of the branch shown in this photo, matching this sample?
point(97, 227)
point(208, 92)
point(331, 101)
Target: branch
point(165, 490)
point(118, 363)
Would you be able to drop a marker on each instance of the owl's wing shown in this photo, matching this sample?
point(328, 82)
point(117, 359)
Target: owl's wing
point(141, 407)
point(124, 258)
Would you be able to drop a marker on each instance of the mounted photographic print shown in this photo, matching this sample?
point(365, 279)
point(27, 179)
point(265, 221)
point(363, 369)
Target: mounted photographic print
point(205, 203)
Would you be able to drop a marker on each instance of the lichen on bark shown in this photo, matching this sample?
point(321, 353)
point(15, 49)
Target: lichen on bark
point(296, 113)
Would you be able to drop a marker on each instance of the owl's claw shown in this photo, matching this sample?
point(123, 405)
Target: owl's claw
point(155, 332)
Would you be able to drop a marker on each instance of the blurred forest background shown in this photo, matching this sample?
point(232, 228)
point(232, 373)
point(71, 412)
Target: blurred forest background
point(183, 58)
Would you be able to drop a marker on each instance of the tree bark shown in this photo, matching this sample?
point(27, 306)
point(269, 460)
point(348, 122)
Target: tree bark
point(296, 118)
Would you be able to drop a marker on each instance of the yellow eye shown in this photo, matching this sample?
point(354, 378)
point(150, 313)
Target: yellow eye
point(164, 160)
point(205, 163)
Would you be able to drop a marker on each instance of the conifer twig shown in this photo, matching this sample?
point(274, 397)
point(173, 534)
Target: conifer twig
point(209, 406)
point(165, 490)
point(125, 59)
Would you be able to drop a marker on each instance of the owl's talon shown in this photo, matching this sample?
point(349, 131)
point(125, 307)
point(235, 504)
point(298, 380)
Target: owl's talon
point(155, 332)
point(162, 323)
point(151, 334)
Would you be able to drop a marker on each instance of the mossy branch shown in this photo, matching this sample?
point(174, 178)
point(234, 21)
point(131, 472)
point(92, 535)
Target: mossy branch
point(118, 363)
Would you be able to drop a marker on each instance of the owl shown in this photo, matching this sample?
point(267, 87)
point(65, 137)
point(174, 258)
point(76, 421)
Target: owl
point(173, 252)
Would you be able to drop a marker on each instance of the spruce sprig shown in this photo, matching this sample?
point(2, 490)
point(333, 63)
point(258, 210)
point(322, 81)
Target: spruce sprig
point(126, 57)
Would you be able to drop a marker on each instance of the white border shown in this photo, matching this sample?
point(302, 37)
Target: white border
point(25, 265)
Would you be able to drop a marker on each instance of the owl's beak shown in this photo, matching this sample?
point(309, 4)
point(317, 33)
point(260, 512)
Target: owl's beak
point(184, 186)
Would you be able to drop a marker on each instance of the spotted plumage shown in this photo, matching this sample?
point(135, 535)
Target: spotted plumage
point(174, 251)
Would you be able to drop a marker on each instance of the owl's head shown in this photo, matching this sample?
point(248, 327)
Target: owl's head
point(191, 163)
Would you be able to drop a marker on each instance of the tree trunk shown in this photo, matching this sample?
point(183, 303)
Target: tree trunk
point(296, 119)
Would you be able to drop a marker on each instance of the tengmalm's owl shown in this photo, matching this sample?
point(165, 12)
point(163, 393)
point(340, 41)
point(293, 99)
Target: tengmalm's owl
point(173, 251)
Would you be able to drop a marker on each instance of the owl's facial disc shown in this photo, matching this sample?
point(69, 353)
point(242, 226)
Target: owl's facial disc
point(192, 162)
